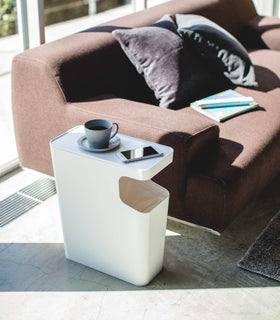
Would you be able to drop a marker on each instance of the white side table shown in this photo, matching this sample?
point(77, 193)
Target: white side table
point(113, 216)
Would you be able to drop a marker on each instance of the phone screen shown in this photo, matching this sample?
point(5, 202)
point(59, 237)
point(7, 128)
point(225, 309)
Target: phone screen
point(139, 153)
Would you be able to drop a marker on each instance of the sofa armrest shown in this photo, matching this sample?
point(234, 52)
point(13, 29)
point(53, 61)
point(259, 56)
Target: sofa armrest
point(42, 112)
point(190, 135)
point(187, 133)
point(262, 32)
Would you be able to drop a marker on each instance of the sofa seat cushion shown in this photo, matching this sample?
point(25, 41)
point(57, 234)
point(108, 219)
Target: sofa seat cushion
point(249, 152)
point(258, 127)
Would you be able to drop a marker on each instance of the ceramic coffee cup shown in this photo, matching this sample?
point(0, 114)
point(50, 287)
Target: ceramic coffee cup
point(99, 132)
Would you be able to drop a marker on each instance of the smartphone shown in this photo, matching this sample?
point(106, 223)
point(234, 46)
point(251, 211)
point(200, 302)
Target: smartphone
point(139, 154)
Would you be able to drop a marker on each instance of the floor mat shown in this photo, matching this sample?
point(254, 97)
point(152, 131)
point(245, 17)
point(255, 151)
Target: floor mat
point(263, 257)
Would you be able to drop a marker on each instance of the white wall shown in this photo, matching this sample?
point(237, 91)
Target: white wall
point(268, 7)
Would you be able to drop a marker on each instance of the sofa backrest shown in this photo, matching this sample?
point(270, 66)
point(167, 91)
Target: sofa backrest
point(91, 62)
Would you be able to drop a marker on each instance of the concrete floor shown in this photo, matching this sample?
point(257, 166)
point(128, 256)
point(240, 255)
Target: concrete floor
point(199, 280)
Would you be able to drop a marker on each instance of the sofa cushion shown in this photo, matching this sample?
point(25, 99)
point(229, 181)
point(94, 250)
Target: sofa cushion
point(175, 74)
point(249, 151)
point(262, 32)
point(219, 47)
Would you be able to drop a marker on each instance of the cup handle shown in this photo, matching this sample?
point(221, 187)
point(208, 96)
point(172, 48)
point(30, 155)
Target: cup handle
point(116, 130)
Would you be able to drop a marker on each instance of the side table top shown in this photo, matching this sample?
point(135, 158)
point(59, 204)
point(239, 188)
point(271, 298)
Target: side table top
point(142, 170)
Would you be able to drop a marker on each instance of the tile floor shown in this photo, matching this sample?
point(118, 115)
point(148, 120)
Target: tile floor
point(199, 280)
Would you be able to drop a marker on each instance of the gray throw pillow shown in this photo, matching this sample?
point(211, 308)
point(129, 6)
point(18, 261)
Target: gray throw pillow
point(176, 75)
point(219, 47)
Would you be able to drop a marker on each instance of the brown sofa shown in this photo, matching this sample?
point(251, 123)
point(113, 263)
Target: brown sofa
point(217, 169)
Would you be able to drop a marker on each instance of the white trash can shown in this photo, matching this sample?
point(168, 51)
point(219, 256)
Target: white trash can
point(113, 216)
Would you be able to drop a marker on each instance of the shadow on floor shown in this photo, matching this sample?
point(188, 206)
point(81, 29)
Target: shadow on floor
point(194, 258)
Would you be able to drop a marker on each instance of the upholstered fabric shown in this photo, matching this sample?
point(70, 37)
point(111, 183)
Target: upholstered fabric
point(77, 61)
point(64, 83)
point(174, 72)
point(248, 155)
point(219, 47)
point(262, 32)
point(157, 51)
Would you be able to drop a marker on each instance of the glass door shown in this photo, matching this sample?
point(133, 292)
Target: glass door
point(61, 17)
point(9, 47)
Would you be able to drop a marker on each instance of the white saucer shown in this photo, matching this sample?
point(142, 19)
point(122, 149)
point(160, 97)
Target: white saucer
point(113, 143)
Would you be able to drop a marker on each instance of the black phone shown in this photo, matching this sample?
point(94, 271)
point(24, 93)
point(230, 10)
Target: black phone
point(147, 152)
